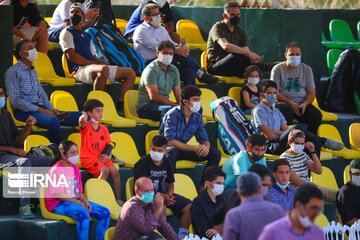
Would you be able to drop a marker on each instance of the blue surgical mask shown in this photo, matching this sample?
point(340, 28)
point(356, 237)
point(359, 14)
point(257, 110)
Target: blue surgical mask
point(270, 98)
point(147, 197)
point(294, 60)
point(2, 102)
point(283, 185)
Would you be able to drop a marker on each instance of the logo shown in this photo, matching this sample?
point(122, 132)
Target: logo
point(36, 180)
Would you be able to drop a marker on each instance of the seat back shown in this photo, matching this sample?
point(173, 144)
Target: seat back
point(321, 220)
point(354, 136)
point(76, 138)
point(184, 186)
point(65, 65)
point(207, 96)
point(125, 148)
point(48, 19)
point(44, 68)
point(14, 60)
point(235, 93)
point(130, 101)
point(204, 60)
point(129, 188)
point(325, 179)
point(109, 112)
point(121, 24)
point(331, 58)
point(346, 174)
point(35, 141)
point(109, 234)
point(190, 31)
point(329, 131)
point(148, 138)
point(63, 101)
point(358, 30)
point(340, 31)
point(10, 110)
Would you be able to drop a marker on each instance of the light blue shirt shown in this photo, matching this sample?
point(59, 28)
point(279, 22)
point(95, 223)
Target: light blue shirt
point(236, 165)
point(263, 115)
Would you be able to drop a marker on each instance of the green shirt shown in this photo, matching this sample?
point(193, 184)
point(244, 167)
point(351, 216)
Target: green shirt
point(221, 30)
point(155, 74)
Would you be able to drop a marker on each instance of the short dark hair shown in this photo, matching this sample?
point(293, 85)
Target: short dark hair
point(248, 184)
point(260, 170)
point(165, 44)
point(267, 84)
point(211, 173)
point(189, 91)
point(229, 5)
point(280, 162)
point(20, 47)
point(306, 192)
point(90, 104)
point(255, 140)
point(250, 69)
point(291, 45)
point(159, 141)
point(146, 11)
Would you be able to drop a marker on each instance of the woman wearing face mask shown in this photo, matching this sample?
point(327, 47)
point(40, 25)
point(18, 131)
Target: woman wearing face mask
point(70, 200)
point(250, 92)
point(204, 206)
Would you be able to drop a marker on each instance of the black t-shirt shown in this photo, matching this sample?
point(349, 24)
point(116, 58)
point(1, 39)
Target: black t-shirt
point(8, 130)
point(161, 175)
point(30, 13)
point(253, 96)
point(231, 201)
point(348, 202)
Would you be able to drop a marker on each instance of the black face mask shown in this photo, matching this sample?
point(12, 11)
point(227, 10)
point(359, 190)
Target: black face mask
point(80, 1)
point(256, 158)
point(75, 19)
point(235, 21)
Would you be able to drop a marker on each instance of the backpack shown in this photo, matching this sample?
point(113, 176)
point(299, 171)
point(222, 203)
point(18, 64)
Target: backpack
point(113, 49)
point(233, 126)
point(106, 15)
point(50, 150)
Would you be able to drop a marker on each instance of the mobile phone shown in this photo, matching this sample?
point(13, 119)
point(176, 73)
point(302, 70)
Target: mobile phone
point(62, 115)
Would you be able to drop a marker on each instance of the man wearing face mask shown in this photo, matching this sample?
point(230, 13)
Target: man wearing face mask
point(28, 98)
point(242, 161)
point(296, 89)
point(347, 200)
point(143, 214)
point(299, 224)
point(158, 168)
point(159, 78)
point(183, 122)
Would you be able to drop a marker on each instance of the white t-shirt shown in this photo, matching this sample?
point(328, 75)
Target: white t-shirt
point(61, 14)
point(66, 41)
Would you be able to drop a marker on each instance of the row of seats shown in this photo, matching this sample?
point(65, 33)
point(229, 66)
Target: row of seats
point(341, 35)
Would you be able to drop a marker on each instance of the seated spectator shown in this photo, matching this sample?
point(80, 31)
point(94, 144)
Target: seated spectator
point(248, 219)
point(242, 161)
point(28, 98)
point(158, 168)
point(296, 89)
point(281, 193)
point(61, 19)
point(12, 153)
point(227, 47)
point(166, 19)
point(183, 122)
point(71, 201)
point(84, 66)
point(143, 214)
point(271, 123)
point(347, 200)
point(208, 201)
point(250, 95)
point(159, 78)
point(94, 139)
point(149, 34)
point(299, 224)
point(29, 25)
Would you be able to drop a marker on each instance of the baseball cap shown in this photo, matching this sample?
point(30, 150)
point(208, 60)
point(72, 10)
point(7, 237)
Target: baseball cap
point(355, 166)
point(297, 133)
point(78, 5)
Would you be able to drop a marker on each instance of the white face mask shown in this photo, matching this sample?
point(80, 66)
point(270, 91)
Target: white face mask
point(253, 80)
point(305, 221)
point(74, 159)
point(196, 106)
point(264, 190)
point(160, 3)
point(218, 189)
point(355, 180)
point(94, 120)
point(156, 156)
point(165, 59)
point(297, 148)
point(156, 20)
point(294, 60)
point(33, 54)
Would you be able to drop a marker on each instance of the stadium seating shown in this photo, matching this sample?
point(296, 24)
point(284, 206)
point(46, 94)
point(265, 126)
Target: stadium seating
point(354, 136)
point(235, 93)
point(326, 116)
point(346, 174)
point(51, 45)
point(76, 138)
point(184, 186)
point(358, 30)
point(190, 31)
point(65, 66)
point(109, 234)
point(129, 188)
point(331, 58)
point(14, 60)
point(46, 72)
point(125, 148)
point(35, 141)
point(110, 115)
point(226, 79)
point(99, 191)
point(340, 32)
point(329, 44)
point(321, 220)
point(325, 179)
point(207, 96)
point(63, 101)
point(121, 24)
point(329, 131)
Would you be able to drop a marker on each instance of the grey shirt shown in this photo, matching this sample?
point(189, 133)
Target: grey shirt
point(263, 115)
point(293, 83)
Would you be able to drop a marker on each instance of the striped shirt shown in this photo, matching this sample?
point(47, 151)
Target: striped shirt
point(299, 163)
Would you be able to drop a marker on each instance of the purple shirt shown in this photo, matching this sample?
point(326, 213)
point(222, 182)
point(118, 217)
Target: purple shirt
point(137, 219)
point(246, 221)
point(283, 229)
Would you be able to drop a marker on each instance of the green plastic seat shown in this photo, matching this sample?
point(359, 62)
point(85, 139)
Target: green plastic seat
point(340, 32)
point(331, 58)
point(329, 44)
point(358, 30)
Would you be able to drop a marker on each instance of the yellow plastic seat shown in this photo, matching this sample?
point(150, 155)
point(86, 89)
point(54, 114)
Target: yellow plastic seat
point(121, 24)
point(226, 79)
point(49, 215)
point(110, 115)
point(109, 234)
point(325, 179)
point(235, 93)
point(99, 191)
point(329, 131)
point(326, 116)
point(65, 66)
point(190, 31)
point(14, 60)
point(46, 72)
point(63, 101)
point(125, 148)
point(185, 186)
point(76, 138)
point(129, 188)
point(51, 45)
point(34, 141)
point(346, 174)
point(354, 136)
point(207, 96)
point(321, 220)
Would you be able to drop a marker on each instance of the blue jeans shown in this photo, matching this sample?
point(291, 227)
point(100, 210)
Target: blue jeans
point(82, 216)
point(153, 111)
point(51, 123)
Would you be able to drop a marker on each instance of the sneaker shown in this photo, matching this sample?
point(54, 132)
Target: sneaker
point(208, 78)
point(333, 145)
point(25, 212)
point(120, 203)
